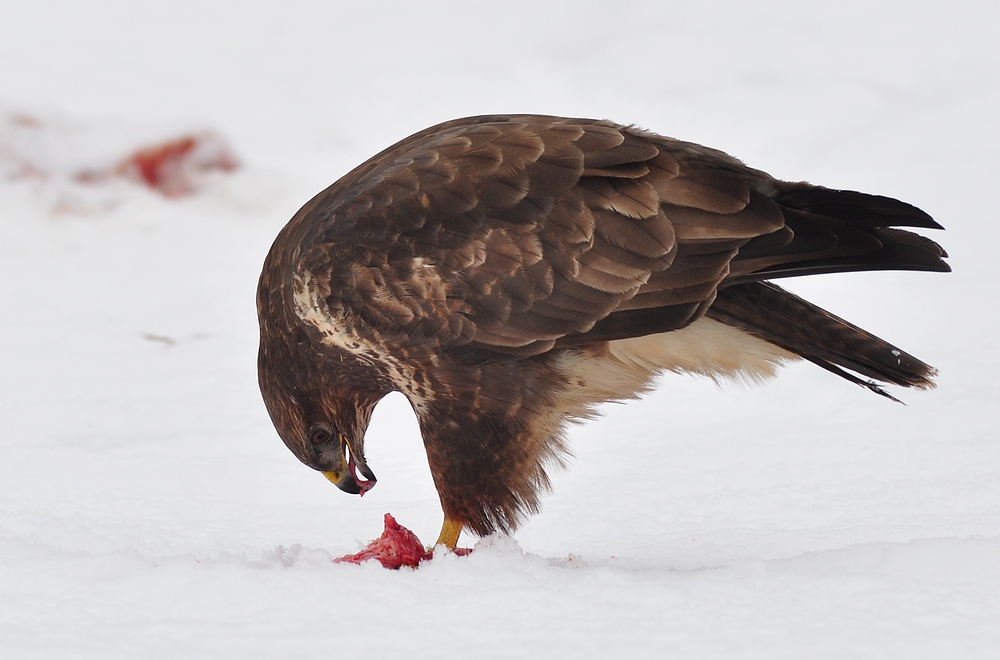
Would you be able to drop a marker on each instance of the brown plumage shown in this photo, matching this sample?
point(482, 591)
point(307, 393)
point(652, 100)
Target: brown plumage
point(509, 273)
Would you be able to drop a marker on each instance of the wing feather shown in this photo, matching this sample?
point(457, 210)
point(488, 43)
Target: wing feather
point(536, 232)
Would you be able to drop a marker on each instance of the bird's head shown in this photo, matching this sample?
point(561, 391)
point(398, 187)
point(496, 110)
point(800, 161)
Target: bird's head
point(322, 421)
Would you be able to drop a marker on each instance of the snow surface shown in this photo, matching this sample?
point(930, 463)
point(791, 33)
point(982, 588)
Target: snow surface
point(148, 510)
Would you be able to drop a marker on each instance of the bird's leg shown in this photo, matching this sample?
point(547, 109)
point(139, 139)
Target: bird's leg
point(450, 531)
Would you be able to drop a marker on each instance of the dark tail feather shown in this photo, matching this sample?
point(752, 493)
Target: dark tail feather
point(869, 385)
point(784, 319)
point(829, 231)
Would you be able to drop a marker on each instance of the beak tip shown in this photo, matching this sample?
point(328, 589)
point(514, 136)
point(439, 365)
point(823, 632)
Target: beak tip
point(350, 484)
point(347, 479)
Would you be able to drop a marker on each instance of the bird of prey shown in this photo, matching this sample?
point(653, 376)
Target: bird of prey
point(510, 273)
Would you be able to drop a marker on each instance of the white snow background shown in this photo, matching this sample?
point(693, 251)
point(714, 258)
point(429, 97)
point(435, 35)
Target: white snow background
point(149, 510)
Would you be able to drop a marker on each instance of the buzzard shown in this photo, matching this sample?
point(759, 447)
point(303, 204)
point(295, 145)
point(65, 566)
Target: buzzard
point(509, 273)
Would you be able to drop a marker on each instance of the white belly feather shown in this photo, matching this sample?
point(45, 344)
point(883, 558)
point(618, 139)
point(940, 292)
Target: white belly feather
point(628, 367)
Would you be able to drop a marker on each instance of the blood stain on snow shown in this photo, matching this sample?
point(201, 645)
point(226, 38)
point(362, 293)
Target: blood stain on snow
point(169, 167)
point(30, 148)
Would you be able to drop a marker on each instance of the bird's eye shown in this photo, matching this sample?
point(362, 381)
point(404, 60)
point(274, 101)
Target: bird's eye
point(319, 436)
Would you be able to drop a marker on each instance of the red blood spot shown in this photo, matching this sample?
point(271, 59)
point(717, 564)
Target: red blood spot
point(169, 167)
point(396, 547)
point(153, 164)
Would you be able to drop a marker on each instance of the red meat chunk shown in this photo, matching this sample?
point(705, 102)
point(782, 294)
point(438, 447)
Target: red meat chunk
point(396, 547)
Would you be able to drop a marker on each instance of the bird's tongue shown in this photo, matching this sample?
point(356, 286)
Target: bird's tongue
point(364, 484)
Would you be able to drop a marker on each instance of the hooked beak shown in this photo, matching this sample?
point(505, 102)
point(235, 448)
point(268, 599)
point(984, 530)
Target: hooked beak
point(347, 479)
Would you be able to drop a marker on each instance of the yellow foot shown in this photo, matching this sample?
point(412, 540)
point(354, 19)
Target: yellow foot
point(450, 531)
